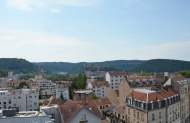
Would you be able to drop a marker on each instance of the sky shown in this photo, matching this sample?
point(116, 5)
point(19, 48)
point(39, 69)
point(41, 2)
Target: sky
point(94, 30)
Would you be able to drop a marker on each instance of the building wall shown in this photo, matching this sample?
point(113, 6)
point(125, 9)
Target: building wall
point(47, 88)
point(184, 105)
point(124, 91)
point(39, 119)
point(182, 88)
point(112, 96)
point(53, 111)
point(100, 91)
point(157, 116)
point(63, 91)
point(108, 78)
point(23, 99)
point(114, 81)
point(173, 113)
point(135, 115)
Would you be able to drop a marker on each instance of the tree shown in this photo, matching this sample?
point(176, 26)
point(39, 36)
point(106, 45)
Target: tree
point(94, 97)
point(79, 82)
point(22, 85)
point(57, 77)
point(70, 93)
point(185, 74)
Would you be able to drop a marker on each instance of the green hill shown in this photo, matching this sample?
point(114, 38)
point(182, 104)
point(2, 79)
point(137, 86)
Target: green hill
point(155, 65)
point(17, 65)
point(117, 65)
point(163, 65)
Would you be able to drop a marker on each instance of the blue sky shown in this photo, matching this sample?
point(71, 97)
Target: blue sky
point(94, 30)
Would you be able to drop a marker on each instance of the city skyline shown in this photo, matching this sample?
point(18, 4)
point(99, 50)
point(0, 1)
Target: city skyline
point(94, 30)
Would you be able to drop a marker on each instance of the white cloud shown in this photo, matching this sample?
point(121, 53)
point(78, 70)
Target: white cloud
point(27, 38)
point(40, 46)
point(53, 10)
point(29, 5)
point(172, 50)
point(43, 46)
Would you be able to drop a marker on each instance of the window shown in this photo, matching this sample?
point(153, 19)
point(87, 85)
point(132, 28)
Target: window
point(129, 111)
point(160, 115)
point(137, 115)
point(153, 117)
point(142, 117)
point(83, 121)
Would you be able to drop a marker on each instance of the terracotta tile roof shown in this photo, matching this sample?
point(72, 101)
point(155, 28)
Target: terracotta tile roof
point(118, 74)
point(102, 101)
point(153, 96)
point(70, 108)
point(141, 77)
point(178, 77)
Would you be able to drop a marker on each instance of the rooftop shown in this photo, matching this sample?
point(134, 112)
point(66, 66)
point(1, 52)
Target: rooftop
point(70, 108)
point(83, 91)
point(25, 114)
point(144, 90)
point(150, 96)
point(118, 74)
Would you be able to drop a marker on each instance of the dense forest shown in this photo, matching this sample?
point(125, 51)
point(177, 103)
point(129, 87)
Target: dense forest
point(155, 65)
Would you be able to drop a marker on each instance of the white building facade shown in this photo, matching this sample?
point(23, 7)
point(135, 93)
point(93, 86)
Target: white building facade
point(21, 99)
point(181, 87)
point(46, 88)
point(26, 117)
point(99, 88)
point(158, 107)
point(115, 78)
point(62, 90)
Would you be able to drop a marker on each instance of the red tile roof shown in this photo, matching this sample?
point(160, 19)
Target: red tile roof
point(118, 74)
point(153, 96)
point(70, 108)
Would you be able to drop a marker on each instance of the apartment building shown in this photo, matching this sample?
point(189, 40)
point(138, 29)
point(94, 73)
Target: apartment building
point(153, 106)
point(21, 99)
point(17, 83)
point(115, 78)
point(62, 89)
point(99, 88)
point(182, 87)
point(46, 88)
point(10, 116)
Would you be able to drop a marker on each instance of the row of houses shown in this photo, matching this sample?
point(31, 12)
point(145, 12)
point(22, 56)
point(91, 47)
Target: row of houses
point(46, 88)
point(165, 100)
